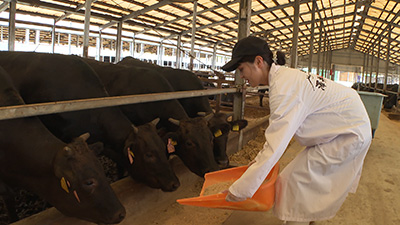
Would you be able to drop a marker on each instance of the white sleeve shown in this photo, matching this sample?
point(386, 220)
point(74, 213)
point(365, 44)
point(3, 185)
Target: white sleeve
point(288, 113)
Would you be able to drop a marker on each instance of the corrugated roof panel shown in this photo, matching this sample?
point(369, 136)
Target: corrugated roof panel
point(214, 16)
point(225, 12)
point(279, 20)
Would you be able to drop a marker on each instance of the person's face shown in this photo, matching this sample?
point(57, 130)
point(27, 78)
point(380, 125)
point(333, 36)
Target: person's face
point(256, 73)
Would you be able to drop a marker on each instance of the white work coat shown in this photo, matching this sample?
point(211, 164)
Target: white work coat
point(331, 121)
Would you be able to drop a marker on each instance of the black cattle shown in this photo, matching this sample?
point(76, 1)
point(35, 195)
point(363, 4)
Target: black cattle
point(193, 140)
point(389, 101)
point(68, 176)
point(43, 77)
point(183, 80)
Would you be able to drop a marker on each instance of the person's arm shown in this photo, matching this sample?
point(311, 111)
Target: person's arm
point(288, 113)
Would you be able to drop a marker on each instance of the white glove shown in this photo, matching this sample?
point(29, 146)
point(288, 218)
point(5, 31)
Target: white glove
point(231, 198)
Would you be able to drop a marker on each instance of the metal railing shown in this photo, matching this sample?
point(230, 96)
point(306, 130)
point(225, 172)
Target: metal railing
point(18, 111)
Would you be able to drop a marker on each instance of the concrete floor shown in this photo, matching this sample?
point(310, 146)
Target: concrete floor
point(376, 201)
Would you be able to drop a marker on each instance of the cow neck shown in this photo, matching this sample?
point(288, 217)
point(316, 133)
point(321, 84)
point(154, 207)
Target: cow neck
point(117, 128)
point(37, 149)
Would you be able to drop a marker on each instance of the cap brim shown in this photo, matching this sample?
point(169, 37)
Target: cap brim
point(231, 65)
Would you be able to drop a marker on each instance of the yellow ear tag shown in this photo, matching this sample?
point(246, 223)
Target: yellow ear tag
point(235, 127)
point(64, 185)
point(218, 133)
point(131, 156)
point(173, 142)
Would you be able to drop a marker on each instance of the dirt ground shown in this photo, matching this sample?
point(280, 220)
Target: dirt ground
point(376, 201)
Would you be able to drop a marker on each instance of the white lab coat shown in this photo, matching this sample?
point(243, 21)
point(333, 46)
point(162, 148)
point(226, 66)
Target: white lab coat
point(331, 120)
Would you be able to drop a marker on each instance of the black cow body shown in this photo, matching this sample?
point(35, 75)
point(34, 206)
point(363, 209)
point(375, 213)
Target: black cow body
point(192, 137)
point(43, 77)
point(183, 80)
point(68, 176)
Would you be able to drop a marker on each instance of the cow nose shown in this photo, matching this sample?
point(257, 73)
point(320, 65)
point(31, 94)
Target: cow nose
point(175, 185)
point(122, 216)
point(223, 163)
point(119, 216)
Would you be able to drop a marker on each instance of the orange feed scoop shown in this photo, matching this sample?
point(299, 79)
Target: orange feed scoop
point(262, 200)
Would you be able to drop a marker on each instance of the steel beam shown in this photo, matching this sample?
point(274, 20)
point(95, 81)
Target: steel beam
point(137, 13)
point(86, 30)
point(19, 111)
point(293, 55)
point(11, 25)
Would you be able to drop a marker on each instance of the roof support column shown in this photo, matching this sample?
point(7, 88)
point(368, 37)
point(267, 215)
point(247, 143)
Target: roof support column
point(363, 72)
point(69, 44)
point(37, 37)
point(312, 35)
point(141, 50)
point(323, 58)
point(132, 47)
point(100, 46)
point(368, 75)
point(330, 68)
point(88, 7)
point(243, 31)
point(214, 56)
point(293, 55)
point(26, 36)
point(377, 64)
point(119, 43)
point(372, 65)
point(53, 37)
point(11, 25)
point(319, 47)
point(193, 35)
point(160, 53)
point(178, 52)
point(387, 57)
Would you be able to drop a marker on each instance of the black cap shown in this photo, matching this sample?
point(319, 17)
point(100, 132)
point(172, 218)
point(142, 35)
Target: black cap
point(249, 46)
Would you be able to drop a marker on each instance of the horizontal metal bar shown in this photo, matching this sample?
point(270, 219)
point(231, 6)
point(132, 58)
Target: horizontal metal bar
point(18, 111)
point(392, 92)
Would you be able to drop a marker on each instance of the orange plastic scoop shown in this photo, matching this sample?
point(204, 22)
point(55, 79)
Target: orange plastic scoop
point(262, 200)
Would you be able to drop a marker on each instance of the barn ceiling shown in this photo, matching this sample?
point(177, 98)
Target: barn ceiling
point(367, 26)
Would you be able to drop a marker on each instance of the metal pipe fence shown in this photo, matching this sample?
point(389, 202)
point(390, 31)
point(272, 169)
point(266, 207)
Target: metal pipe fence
point(19, 111)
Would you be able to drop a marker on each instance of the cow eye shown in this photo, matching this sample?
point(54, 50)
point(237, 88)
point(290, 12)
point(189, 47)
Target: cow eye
point(189, 144)
point(149, 154)
point(90, 182)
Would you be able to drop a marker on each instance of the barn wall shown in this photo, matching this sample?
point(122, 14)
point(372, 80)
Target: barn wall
point(349, 57)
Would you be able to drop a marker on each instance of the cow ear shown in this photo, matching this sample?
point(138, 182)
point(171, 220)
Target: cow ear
point(238, 125)
point(97, 147)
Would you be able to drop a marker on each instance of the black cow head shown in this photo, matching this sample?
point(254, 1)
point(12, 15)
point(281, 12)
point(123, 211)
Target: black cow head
point(193, 143)
point(220, 128)
point(83, 190)
point(146, 158)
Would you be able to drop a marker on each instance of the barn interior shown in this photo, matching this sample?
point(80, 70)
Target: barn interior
point(353, 42)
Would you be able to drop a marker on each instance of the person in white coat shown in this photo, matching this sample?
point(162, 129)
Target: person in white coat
point(328, 118)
